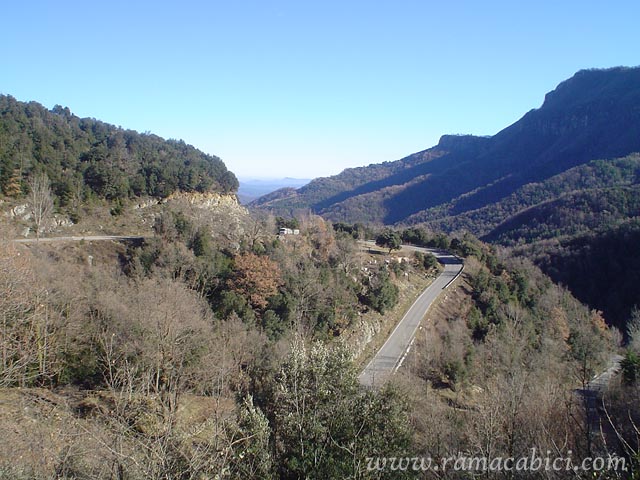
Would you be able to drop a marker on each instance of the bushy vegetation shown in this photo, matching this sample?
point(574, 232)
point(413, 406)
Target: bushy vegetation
point(621, 401)
point(323, 425)
point(310, 281)
point(496, 369)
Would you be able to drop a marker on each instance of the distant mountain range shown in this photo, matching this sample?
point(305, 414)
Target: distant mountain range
point(253, 188)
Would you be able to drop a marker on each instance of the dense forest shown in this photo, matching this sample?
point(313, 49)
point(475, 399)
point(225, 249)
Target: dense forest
point(84, 157)
point(590, 197)
point(579, 226)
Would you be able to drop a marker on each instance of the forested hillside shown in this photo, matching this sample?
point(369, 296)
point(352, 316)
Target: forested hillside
point(489, 370)
point(559, 184)
point(584, 198)
point(87, 157)
point(579, 226)
point(186, 356)
point(215, 347)
point(601, 268)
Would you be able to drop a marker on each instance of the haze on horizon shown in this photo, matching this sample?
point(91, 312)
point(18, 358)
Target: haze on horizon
point(305, 89)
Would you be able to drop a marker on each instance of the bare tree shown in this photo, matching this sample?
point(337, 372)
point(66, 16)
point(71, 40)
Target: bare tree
point(40, 200)
point(30, 323)
point(259, 227)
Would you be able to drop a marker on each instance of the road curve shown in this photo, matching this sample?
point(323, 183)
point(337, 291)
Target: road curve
point(88, 238)
point(390, 357)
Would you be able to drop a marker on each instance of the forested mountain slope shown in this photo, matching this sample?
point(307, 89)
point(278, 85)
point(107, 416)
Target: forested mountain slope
point(581, 227)
point(593, 115)
point(97, 158)
point(583, 198)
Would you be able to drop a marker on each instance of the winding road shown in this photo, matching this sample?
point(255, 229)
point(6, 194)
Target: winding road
point(392, 354)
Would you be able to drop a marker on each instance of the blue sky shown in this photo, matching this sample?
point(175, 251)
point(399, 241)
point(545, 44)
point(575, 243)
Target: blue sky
point(307, 88)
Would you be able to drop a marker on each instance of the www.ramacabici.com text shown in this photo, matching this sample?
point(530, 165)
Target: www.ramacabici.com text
point(534, 462)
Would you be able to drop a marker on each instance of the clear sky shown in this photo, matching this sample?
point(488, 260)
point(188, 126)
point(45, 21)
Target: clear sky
point(307, 88)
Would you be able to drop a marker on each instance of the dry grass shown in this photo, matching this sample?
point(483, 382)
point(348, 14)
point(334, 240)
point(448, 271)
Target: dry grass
point(37, 427)
point(105, 254)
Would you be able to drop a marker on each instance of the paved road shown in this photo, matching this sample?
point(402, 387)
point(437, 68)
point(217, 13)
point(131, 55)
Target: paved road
point(390, 357)
point(591, 397)
point(87, 238)
point(601, 382)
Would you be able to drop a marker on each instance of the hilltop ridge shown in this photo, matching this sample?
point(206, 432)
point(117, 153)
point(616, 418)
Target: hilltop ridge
point(90, 158)
point(593, 115)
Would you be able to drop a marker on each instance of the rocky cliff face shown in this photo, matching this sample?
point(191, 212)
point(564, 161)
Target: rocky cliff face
point(222, 214)
point(462, 142)
point(209, 200)
point(20, 215)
